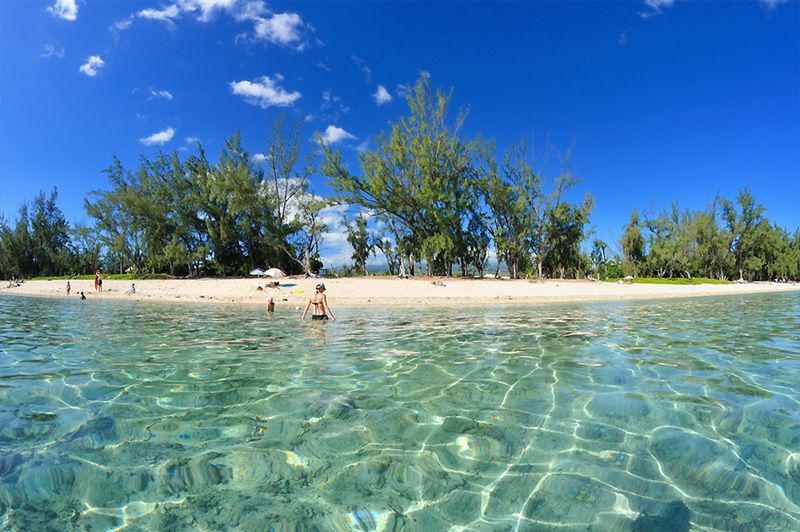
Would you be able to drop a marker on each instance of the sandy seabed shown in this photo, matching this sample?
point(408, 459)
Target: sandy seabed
point(383, 291)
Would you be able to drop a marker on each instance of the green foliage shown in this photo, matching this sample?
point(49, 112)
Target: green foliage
point(676, 280)
point(359, 239)
point(633, 243)
point(430, 196)
point(107, 277)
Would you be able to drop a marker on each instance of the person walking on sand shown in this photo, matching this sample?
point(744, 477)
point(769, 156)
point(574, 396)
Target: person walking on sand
point(68, 288)
point(321, 307)
point(99, 279)
point(96, 274)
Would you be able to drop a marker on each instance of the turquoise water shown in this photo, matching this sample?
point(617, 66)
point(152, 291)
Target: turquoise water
point(618, 416)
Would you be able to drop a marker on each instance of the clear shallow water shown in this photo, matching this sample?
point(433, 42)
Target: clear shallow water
point(635, 416)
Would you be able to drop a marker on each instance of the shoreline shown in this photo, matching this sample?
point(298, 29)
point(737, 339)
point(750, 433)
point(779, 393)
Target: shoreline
point(384, 291)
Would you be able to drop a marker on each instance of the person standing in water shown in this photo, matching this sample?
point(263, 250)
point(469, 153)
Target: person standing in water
point(321, 307)
point(270, 304)
point(68, 288)
point(83, 296)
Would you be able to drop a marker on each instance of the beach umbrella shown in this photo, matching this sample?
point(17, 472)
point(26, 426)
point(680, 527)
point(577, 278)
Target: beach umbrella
point(258, 272)
point(628, 278)
point(274, 272)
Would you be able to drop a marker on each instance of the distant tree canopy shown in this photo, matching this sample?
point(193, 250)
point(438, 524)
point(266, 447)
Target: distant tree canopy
point(425, 195)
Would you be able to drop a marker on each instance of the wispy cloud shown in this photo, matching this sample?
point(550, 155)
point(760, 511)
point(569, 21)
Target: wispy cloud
point(770, 5)
point(158, 138)
point(334, 134)
point(166, 15)
point(92, 65)
point(656, 7)
point(121, 25)
point(191, 140)
point(162, 94)
point(51, 50)
point(363, 66)
point(332, 107)
point(623, 38)
point(64, 9)
point(265, 92)
point(381, 95)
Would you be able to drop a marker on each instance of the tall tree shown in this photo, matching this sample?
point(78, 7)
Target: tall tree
point(633, 243)
point(743, 217)
point(359, 239)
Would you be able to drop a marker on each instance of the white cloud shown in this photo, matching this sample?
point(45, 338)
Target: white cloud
point(164, 94)
point(92, 65)
point(162, 15)
point(66, 9)
point(122, 25)
point(191, 140)
point(260, 158)
point(381, 95)
point(159, 138)
point(659, 4)
point(284, 29)
point(50, 50)
point(656, 7)
point(264, 92)
point(334, 134)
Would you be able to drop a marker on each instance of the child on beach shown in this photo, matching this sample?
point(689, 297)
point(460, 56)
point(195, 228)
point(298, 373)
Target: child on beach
point(131, 290)
point(68, 288)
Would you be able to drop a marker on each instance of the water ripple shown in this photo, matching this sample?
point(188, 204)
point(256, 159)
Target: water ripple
point(628, 416)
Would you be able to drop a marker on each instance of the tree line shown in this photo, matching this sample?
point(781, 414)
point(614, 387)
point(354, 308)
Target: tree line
point(425, 196)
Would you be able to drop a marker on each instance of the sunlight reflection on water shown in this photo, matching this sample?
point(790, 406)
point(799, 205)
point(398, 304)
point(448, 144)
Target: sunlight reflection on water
point(618, 415)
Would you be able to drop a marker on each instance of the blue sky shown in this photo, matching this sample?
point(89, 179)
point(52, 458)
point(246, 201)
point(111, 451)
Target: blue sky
point(664, 100)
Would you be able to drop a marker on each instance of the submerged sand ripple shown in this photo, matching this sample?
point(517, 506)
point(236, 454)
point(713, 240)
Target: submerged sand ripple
point(630, 416)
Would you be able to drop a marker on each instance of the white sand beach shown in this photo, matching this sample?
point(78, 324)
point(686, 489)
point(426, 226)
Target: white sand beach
point(383, 291)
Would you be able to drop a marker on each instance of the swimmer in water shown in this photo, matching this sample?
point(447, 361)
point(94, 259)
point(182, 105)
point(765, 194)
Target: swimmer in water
point(321, 308)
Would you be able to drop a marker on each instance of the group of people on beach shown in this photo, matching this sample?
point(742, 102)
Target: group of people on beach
point(322, 310)
point(98, 285)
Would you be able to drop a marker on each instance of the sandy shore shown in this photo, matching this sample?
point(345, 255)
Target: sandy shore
point(383, 291)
